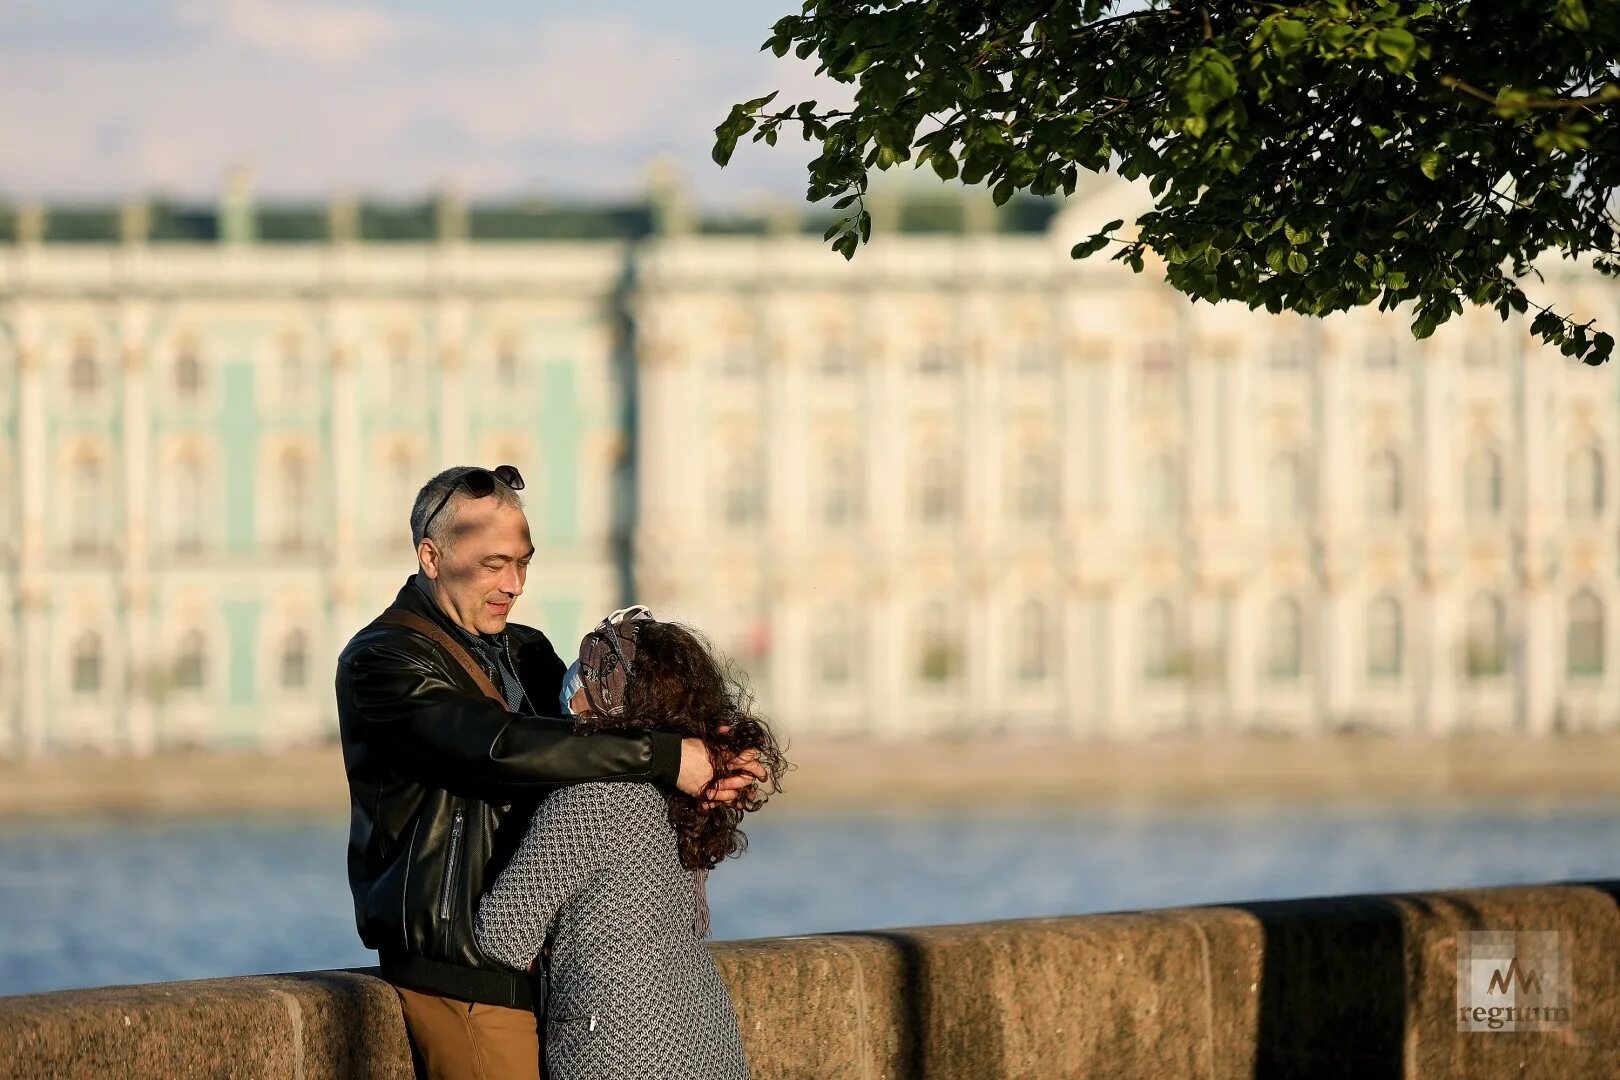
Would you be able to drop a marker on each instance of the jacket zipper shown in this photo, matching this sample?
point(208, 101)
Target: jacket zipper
point(450, 866)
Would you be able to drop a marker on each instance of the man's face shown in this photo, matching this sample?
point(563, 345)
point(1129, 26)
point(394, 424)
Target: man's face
point(479, 579)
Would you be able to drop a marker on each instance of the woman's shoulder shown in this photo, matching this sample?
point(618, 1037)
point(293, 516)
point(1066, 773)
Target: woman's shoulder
point(616, 799)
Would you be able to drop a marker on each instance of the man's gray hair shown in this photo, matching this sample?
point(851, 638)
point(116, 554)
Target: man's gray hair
point(444, 526)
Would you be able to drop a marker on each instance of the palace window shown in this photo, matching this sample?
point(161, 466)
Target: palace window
point(938, 653)
point(191, 662)
point(84, 373)
point(1034, 487)
point(1482, 486)
point(1486, 643)
point(88, 505)
point(1032, 636)
point(294, 660)
point(188, 372)
point(1583, 643)
point(1385, 639)
point(1583, 495)
point(1384, 496)
point(936, 489)
point(87, 663)
point(1163, 656)
point(1285, 645)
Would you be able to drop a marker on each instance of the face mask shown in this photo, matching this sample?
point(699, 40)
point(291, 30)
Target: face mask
point(570, 686)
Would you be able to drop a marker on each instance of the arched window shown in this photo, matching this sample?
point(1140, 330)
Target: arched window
point(294, 660)
point(1034, 487)
point(1032, 637)
point(84, 373)
point(1384, 495)
point(1385, 639)
point(1486, 655)
point(935, 358)
point(191, 662)
point(189, 501)
point(1285, 488)
point(1032, 355)
point(936, 488)
point(1583, 483)
point(938, 656)
point(1161, 489)
point(1383, 349)
point(294, 496)
point(1161, 642)
point(1285, 646)
point(87, 663)
point(1583, 642)
point(88, 505)
point(188, 371)
point(292, 369)
point(1482, 488)
point(742, 494)
point(840, 488)
point(401, 377)
point(837, 355)
point(506, 366)
point(836, 642)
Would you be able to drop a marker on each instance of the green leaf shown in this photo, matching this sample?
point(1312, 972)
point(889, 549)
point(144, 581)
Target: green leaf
point(1297, 262)
point(1089, 246)
point(1431, 163)
point(1396, 43)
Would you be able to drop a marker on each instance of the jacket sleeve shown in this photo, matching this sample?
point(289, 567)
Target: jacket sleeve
point(435, 731)
point(565, 847)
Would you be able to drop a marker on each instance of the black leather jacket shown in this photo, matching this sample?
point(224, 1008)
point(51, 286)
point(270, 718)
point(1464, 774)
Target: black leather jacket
point(435, 768)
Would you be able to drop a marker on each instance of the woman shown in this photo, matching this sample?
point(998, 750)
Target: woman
point(611, 875)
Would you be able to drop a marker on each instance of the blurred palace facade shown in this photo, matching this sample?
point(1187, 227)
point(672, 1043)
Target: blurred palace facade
point(961, 485)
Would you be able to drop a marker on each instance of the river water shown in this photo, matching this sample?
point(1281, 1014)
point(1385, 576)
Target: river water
point(91, 903)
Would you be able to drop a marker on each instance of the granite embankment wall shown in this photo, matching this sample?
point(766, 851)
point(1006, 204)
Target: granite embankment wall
point(1362, 987)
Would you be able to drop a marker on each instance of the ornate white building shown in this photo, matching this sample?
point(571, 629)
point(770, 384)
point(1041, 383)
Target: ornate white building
point(965, 484)
point(961, 484)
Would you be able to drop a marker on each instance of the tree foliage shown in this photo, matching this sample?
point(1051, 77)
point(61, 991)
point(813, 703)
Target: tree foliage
point(1303, 156)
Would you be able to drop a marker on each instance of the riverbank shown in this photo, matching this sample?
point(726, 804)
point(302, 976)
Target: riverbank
point(1346, 769)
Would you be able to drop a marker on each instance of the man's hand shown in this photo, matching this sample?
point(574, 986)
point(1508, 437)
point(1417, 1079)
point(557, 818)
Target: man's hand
point(697, 773)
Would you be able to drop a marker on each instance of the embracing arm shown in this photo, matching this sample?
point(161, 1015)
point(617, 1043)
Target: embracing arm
point(565, 846)
point(409, 708)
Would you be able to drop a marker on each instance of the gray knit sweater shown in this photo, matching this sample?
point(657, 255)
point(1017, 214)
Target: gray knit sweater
point(634, 992)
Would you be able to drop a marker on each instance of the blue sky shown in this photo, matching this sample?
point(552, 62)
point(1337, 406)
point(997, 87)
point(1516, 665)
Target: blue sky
point(391, 97)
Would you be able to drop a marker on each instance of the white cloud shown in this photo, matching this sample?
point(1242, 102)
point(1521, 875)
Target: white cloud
point(326, 32)
point(383, 103)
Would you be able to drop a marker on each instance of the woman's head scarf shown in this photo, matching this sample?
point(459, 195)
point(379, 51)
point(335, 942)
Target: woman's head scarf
point(607, 659)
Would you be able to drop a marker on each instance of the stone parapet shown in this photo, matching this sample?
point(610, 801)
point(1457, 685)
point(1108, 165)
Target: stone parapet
point(1359, 986)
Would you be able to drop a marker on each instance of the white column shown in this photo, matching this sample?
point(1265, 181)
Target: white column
point(451, 354)
point(1124, 665)
point(1243, 656)
point(1538, 659)
point(350, 539)
point(982, 452)
point(34, 667)
point(139, 629)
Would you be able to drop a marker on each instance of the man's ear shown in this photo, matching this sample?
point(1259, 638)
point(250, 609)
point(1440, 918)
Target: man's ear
point(428, 556)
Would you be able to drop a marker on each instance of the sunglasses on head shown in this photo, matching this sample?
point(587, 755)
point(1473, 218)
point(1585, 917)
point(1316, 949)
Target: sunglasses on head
point(480, 484)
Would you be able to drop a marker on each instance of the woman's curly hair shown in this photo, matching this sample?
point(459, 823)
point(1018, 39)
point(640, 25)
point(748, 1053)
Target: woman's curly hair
point(681, 685)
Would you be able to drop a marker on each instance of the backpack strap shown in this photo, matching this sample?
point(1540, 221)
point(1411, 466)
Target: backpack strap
point(426, 627)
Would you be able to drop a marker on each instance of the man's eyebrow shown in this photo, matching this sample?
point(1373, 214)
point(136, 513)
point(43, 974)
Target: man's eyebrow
point(510, 558)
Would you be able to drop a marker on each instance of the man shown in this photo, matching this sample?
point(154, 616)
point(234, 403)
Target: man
point(444, 707)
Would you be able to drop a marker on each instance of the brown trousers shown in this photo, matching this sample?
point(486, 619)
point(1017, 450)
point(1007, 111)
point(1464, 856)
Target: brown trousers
point(467, 1040)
